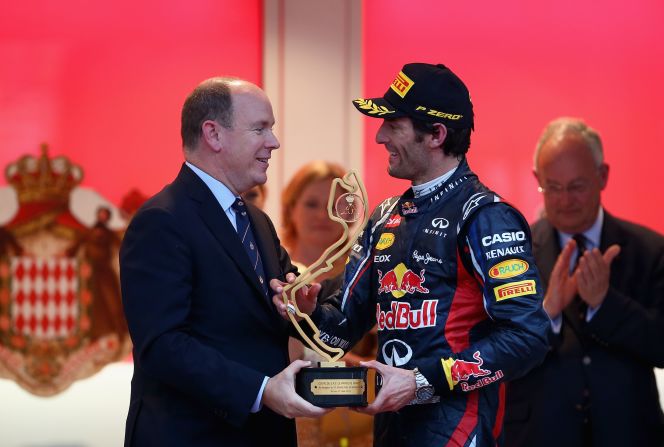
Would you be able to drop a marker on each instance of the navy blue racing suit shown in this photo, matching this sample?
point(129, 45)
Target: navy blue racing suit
point(451, 283)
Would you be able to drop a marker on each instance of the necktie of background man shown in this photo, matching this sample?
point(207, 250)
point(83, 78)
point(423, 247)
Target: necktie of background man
point(581, 246)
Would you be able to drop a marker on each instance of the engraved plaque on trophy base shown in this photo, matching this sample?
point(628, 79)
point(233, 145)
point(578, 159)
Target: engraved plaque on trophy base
point(328, 387)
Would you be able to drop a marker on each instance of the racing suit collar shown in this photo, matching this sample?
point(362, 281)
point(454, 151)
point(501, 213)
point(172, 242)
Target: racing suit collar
point(409, 204)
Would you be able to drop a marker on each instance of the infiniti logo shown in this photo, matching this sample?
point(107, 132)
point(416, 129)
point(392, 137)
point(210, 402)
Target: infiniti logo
point(394, 347)
point(440, 222)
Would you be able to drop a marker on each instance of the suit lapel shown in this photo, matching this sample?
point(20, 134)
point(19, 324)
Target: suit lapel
point(221, 228)
point(611, 233)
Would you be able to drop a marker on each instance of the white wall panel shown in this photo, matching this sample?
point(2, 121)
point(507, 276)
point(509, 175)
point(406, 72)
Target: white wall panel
point(312, 71)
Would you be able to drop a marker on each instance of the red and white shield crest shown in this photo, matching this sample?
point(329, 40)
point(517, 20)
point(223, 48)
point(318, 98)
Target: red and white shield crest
point(60, 311)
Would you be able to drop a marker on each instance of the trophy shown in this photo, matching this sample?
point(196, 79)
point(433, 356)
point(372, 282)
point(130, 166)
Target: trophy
point(331, 383)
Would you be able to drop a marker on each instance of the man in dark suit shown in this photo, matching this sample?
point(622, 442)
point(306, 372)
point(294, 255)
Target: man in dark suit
point(605, 298)
point(210, 351)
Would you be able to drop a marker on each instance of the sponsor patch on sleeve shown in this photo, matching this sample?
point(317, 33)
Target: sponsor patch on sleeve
point(460, 371)
point(508, 269)
point(514, 289)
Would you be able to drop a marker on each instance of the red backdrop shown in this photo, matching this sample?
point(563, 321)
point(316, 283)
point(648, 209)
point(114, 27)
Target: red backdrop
point(105, 85)
point(103, 82)
point(526, 63)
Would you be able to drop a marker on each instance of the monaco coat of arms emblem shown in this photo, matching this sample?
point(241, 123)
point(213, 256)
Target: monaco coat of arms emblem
point(61, 315)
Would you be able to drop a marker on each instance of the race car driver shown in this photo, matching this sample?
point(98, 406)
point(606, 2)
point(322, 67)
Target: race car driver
point(446, 273)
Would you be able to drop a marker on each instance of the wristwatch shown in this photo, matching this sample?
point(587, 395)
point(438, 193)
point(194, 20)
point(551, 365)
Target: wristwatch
point(424, 390)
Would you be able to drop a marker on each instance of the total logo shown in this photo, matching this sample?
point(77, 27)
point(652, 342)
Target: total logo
point(508, 269)
point(401, 316)
point(400, 281)
point(396, 352)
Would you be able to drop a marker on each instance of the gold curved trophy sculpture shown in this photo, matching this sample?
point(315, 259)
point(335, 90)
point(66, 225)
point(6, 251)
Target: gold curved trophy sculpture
point(350, 207)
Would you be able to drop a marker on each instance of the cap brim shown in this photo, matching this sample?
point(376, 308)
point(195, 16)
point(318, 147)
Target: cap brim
point(377, 108)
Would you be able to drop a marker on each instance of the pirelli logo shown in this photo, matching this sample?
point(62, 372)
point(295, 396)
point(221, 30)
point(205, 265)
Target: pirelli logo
point(514, 289)
point(402, 84)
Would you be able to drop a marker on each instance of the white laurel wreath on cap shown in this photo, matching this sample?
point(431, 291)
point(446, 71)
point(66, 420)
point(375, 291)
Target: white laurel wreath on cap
point(374, 109)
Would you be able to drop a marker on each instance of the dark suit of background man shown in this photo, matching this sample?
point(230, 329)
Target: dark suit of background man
point(596, 386)
point(209, 348)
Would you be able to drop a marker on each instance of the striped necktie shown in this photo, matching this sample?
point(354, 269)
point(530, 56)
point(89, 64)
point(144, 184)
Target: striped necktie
point(248, 240)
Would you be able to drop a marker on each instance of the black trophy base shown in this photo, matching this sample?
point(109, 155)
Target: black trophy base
point(333, 387)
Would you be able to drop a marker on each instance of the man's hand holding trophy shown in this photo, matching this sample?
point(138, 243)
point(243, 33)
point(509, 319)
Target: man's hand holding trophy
point(330, 383)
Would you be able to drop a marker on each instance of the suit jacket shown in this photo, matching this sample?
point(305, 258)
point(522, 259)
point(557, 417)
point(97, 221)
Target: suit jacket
point(602, 369)
point(205, 334)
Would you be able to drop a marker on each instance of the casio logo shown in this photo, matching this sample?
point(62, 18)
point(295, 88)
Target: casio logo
point(508, 236)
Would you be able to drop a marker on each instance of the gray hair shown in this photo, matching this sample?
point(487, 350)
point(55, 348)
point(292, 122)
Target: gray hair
point(561, 127)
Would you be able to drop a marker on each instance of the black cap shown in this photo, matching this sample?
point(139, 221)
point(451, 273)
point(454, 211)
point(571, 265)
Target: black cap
point(425, 92)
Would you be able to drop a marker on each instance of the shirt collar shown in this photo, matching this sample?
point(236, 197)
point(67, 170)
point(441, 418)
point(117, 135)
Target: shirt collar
point(220, 191)
point(432, 185)
point(592, 234)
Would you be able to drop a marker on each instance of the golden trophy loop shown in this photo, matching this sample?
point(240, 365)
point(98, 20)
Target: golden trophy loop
point(350, 207)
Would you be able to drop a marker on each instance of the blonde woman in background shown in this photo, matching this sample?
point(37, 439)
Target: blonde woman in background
point(307, 231)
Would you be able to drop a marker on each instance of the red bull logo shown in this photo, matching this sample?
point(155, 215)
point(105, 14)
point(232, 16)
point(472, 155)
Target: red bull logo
point(400, 281)
point(462, 370)
point(484, 381)
point(401, 316)
point(408, 208)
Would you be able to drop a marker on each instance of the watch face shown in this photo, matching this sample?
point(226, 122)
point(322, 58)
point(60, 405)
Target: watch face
point(424, 393)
